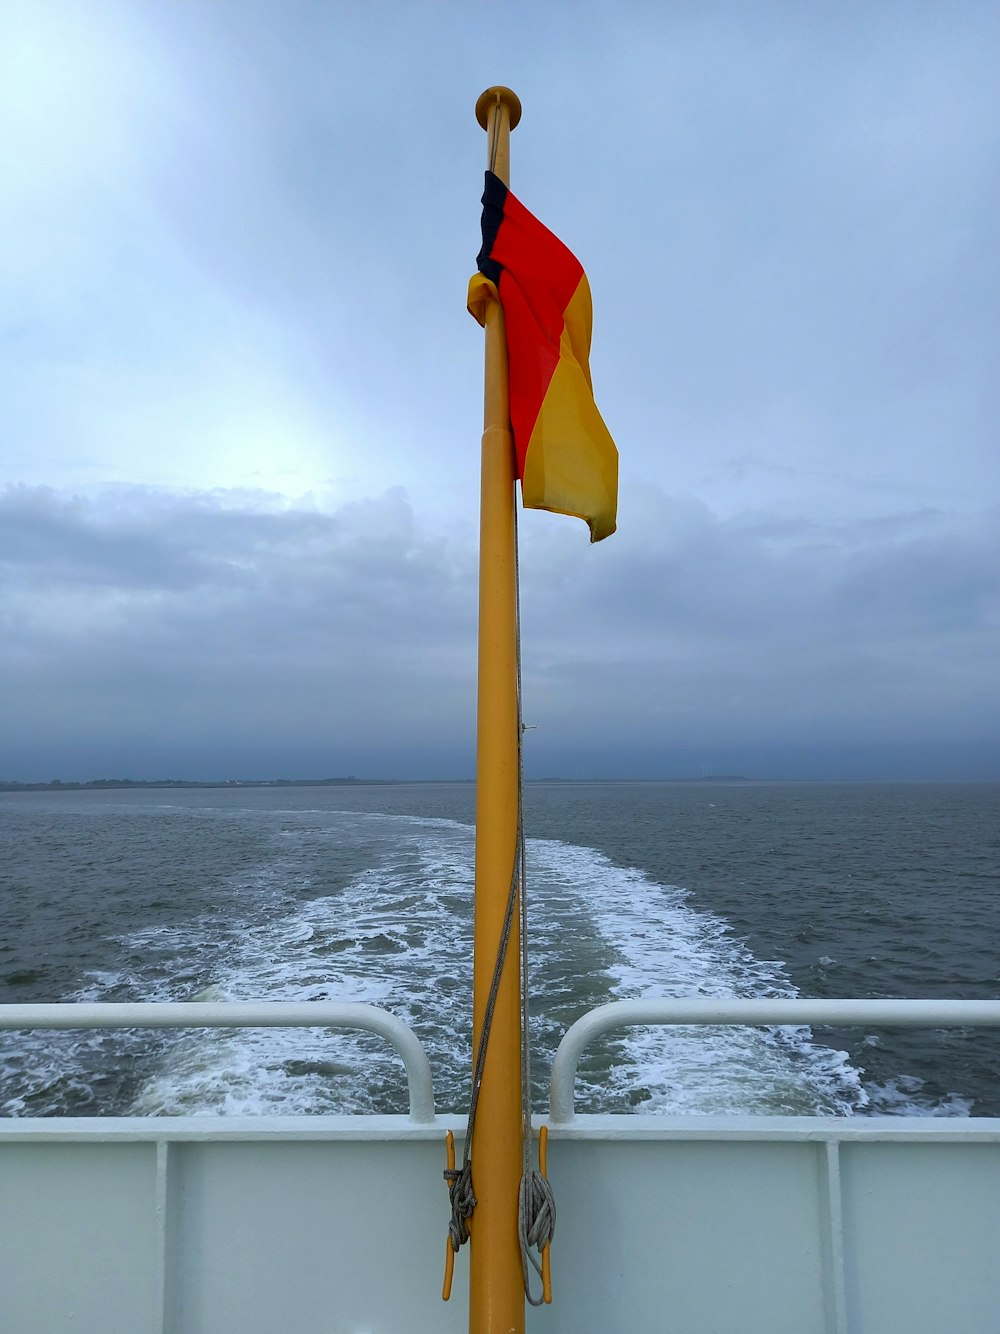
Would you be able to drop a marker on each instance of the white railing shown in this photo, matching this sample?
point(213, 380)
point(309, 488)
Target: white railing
point(243, 1014)
point(754, 1013)
point(603, 1019)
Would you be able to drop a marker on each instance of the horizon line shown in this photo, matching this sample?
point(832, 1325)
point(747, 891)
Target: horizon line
point(105, 784)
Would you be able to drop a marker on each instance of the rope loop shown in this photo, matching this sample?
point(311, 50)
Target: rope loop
point(463, 1202)
point(536, 1225)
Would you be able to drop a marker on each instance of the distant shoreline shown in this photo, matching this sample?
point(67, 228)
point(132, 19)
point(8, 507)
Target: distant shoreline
point(104, 784)
point(128, 784)
point(120, 784)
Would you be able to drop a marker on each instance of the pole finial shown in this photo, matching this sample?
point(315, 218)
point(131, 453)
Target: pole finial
point(491, 98)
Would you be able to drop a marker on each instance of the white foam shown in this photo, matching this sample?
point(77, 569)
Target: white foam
point(399, 935)
point(666, 948)
point(906, 1096)
point(390, 938)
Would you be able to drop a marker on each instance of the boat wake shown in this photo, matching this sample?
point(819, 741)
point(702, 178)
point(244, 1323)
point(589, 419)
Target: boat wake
point(378, 909)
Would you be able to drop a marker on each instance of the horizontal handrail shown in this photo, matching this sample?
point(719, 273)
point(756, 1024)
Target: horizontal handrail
point(753, 1013)
point(243, 1014)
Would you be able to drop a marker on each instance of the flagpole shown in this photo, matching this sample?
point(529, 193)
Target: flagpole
point(496, 1294)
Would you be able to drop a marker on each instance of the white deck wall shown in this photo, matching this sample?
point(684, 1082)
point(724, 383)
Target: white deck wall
point(337, 1226)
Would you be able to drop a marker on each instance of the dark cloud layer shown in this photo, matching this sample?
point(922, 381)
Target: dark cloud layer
point(230, 634)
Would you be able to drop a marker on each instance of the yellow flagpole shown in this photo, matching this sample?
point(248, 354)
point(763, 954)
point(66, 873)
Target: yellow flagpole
point(496, 1295)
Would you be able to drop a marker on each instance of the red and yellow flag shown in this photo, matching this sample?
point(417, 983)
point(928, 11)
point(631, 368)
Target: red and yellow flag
point(566, 459)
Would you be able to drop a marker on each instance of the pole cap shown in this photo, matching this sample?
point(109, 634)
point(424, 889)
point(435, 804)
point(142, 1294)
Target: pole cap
point(490, 98)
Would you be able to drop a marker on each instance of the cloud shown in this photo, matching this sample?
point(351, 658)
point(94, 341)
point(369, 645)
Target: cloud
point(743, 635)
point(237, 634)
point(237, 242)
point(231, 624)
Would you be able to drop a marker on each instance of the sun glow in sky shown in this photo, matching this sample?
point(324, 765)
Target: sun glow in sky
point(241, 396)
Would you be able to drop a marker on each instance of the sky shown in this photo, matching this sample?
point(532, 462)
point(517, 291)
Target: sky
point(241, 397)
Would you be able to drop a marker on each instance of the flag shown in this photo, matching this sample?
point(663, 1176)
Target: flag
point(566, 459)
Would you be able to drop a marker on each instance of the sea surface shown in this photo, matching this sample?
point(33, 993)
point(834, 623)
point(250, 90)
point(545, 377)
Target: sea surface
point(364, 893)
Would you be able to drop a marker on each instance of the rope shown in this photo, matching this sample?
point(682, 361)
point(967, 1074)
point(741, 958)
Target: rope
point(536, 1204)
point(536, 1225)
point(494, 147)
point(460, 1189)
point(463, 1202)
point(536, 1211)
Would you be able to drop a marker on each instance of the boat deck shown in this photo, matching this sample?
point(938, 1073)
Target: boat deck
point(754, 1225)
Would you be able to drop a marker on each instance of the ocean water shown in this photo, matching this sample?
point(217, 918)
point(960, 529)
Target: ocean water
point(364, 893)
